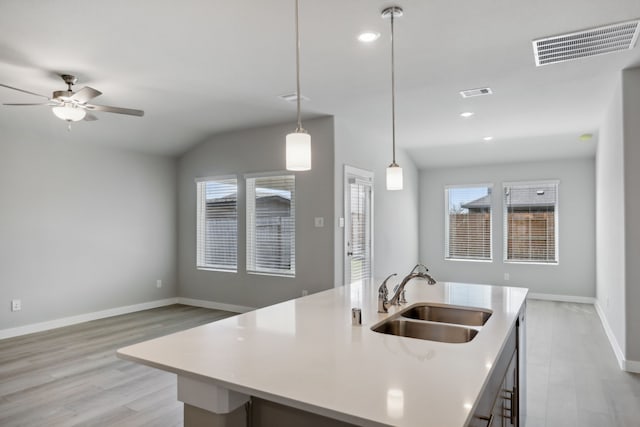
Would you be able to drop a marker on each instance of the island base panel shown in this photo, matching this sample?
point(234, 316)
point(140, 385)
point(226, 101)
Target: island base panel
point(265, 413)
point(197, 417)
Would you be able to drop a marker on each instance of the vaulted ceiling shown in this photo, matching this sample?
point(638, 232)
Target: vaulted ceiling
point(200, 67)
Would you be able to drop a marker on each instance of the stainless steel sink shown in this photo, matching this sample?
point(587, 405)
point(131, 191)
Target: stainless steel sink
point(426, 331)
point(448, 314)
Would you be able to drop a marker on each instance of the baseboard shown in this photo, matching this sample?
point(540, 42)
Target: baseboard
point(214, 305)
point(625, 365)
point(87, 317)
point(562, 298)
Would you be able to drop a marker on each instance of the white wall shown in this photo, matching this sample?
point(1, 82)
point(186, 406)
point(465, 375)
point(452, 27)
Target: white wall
point(610, 219)
point(249, 151)
point(573, 275)
point(395, 212)
point(631, 108)
point(82, 229)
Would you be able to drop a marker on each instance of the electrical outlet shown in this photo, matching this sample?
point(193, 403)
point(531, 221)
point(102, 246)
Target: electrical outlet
point(506, 276)
point(16, 305)
point(158, 283)
point(305, 292)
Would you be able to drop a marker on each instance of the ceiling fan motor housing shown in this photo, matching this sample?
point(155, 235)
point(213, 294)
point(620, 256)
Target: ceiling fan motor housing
point(62, 94)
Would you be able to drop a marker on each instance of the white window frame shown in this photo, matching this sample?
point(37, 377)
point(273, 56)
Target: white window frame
point(250, 224)
point(505, 227)
point(200, 218)
point(446, 222)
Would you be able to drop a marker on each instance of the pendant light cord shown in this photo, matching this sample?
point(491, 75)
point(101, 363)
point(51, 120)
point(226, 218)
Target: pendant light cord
point(299, 129)
point(393, 94)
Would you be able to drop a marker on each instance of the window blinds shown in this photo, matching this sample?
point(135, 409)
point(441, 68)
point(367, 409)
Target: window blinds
point(468, 222)
point(271, 225)
point(217, 224)
point(530, 222)
point(360, 238)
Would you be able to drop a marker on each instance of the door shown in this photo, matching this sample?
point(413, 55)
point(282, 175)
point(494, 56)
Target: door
point(358, 231)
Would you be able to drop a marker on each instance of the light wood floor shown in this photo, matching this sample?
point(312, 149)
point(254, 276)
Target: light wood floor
point(71, 377)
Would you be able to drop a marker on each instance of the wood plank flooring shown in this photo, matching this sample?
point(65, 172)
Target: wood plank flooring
point(71, 377)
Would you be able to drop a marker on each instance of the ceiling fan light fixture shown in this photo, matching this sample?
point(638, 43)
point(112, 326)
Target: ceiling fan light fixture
point(298, 151)
point(69, 112)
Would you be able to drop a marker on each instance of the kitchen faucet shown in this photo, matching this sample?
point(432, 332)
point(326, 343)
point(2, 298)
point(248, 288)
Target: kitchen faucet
point(398, 296)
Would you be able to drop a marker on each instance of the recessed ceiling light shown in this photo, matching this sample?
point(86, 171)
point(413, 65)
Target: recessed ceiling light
point(487, 138)
point(467, 114)
point(368, 37)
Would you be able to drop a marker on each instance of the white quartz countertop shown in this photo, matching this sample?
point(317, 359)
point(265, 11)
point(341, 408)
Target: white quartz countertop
point(305, 353)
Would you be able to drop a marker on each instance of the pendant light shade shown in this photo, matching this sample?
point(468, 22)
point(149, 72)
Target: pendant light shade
point(298, 151)
point(394, 177)
point(394, 172)
point(298, 145)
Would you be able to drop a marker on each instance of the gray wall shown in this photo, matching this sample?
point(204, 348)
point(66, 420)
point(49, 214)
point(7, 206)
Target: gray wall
point(574, 274)
point(82, 229)
point(395, 212)
point(610, 217)
point(631, 106)
point(250, 151)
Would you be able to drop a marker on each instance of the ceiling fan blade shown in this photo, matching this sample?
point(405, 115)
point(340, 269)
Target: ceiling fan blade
point(23, 91)
point(24, 105)
point(118, 110)
point(90, 117)
point(85, 94)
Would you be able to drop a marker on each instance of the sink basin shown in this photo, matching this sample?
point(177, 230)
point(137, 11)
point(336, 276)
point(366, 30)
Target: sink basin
point(427, 331)
point(448, 314)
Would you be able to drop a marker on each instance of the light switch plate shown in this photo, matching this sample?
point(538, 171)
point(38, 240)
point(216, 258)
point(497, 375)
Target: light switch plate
point(319, 221)
point(341, 222)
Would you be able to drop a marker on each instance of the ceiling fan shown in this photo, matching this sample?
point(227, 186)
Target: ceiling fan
point(74, 106)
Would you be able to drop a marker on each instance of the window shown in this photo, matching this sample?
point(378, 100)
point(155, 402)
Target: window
point(271, 224)
point(217, 223)
point(468, 222)
point(531, 222)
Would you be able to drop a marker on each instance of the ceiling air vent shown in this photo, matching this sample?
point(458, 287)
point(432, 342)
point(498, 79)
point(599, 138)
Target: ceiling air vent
point(476, 92)
point(582, 44)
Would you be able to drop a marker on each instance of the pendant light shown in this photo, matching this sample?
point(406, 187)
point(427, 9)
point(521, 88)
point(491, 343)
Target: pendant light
point(298, 151)
point(394, 171)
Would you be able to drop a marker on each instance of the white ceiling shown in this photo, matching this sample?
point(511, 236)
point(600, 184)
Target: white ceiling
point(199, 67)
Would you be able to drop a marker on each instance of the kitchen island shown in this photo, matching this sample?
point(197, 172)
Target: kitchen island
point(306, 355)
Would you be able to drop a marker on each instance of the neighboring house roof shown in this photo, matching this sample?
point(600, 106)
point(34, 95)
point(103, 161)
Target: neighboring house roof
point(261, 195)
point(540, 195)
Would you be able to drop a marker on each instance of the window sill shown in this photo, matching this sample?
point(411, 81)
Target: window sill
point(219, 270)
point(531, 262)
point(469, 260)
point(266, 273)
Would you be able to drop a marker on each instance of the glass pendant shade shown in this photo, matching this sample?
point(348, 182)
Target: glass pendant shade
point(298, 151)
point(394, 177)
point(69, 113)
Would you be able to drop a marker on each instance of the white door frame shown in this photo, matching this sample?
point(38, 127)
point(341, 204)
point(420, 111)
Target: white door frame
point(351, 172)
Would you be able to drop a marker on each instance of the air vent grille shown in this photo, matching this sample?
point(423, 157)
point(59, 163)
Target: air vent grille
point(469, 93)
point(582, 44)
point(292, 97)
